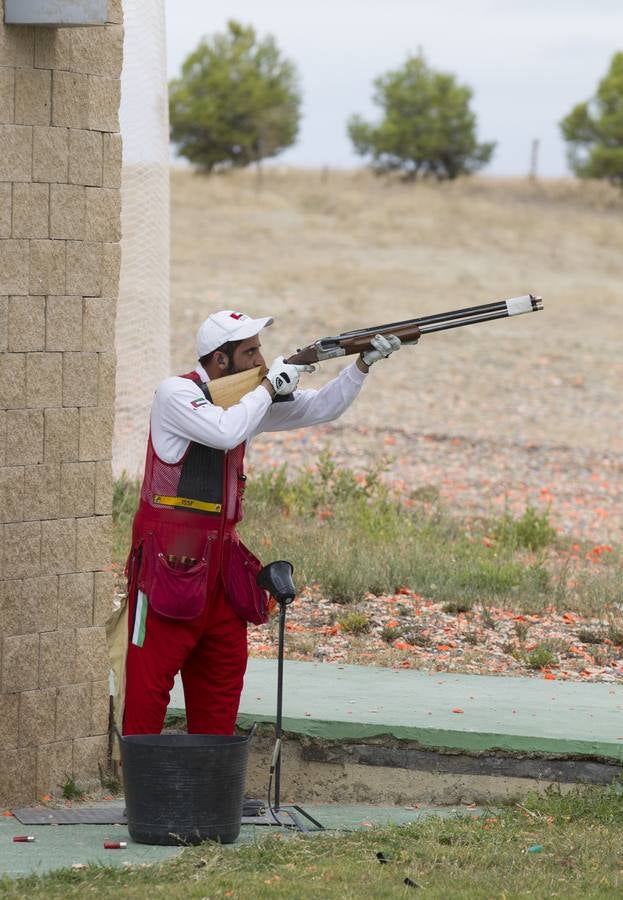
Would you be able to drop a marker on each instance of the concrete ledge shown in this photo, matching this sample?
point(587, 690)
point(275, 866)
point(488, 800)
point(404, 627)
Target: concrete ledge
point(318, 772)
point(358, 734)
point(469, 713)
point(403, 755)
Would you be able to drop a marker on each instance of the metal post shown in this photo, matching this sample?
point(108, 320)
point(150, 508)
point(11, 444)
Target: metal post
point(534, 159)
point(280, 652)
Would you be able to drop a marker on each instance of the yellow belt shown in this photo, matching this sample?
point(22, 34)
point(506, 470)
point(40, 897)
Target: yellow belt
point(187, 503)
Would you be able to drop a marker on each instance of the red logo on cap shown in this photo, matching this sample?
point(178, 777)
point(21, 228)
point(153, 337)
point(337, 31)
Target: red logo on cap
point(236, 315)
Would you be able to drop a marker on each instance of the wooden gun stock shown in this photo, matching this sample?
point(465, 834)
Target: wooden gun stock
point(227, 391)
point(230, 389)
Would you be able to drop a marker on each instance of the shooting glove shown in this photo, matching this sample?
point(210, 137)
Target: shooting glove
point(284, 376)
point(384, 346)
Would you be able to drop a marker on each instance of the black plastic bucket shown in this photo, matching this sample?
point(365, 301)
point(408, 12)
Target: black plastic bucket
point(184, 788)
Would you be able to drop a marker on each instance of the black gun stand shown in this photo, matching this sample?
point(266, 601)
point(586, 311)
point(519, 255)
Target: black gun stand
point(277, 579)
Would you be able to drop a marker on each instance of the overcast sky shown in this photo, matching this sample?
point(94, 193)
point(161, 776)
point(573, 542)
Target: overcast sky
point(527, 61)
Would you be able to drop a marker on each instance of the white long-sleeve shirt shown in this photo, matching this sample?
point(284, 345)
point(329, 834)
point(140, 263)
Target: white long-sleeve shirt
point(180, 413)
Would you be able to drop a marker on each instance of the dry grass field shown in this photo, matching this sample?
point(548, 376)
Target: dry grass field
point(490, 404)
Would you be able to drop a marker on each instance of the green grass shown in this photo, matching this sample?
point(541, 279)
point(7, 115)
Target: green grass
point(124, 504)
point(348, 535)
point(71, 790)
point(365, 541)
point(576, 838)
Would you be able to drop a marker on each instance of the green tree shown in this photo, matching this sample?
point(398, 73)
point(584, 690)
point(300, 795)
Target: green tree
point(593, 130)
point(427, 130)
point(236, 102)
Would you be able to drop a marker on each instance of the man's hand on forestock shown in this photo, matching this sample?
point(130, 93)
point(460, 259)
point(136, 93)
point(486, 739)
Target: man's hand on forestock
point(383, 346)
point(284, 377)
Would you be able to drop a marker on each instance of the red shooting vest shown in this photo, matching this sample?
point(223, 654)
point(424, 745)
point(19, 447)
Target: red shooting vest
point(184, 532)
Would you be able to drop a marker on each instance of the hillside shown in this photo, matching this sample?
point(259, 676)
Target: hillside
point(484, 414)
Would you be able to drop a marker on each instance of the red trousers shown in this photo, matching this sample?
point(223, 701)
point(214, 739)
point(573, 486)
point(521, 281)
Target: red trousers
point(211, 654)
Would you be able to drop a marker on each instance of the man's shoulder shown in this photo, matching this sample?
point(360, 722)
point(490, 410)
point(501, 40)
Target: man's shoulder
point(177, 385)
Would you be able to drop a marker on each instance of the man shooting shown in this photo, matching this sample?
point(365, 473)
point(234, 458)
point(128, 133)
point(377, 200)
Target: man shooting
point(191, 582)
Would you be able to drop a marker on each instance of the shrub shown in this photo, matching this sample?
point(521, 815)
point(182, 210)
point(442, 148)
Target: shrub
point(354, 623)
point(542, 656)
point(532, 530)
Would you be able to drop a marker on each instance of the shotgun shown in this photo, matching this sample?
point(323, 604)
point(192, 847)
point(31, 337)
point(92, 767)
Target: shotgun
point(228, 390)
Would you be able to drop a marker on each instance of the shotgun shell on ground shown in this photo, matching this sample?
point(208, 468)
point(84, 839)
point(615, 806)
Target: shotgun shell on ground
point(23, 839)
point(115, 845)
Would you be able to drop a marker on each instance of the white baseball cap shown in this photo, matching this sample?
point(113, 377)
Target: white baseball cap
point(227, 325)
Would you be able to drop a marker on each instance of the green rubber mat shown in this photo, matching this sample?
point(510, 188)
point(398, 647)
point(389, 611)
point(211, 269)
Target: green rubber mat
point(473, 713)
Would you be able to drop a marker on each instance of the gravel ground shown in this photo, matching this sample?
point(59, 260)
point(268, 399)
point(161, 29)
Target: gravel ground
point(519, 411)
point(493, 641)
point(582, 491)
point(482, 419)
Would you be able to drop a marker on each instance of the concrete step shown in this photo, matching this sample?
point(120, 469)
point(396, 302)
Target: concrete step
point(359, 734)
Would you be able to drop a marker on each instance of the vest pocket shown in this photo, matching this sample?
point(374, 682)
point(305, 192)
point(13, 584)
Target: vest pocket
point(176, 587)
point(248, 600)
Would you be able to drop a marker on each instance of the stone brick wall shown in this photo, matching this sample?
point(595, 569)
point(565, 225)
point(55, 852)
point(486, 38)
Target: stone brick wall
point(60, 177)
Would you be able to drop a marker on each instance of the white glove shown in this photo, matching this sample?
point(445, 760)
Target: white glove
point(384, 346)
point(284, 376)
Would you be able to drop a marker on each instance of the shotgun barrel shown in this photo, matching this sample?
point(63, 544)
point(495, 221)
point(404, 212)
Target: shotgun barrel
point(228, 390)
point(409, 330)
point(512, 307)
